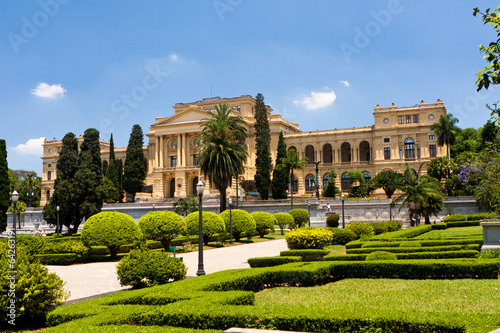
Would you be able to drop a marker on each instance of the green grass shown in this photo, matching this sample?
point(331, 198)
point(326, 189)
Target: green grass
point(336, 249)
point(453, 233)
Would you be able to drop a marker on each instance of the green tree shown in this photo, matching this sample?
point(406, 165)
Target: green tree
point(491, 73)
point(111, 193)
point(222, 149)
point(162, 226)
point(329, 189)
point(20, 209)
point(111, 171)
point(441, 168)
point(262, 142)
point(292, 162)
point(4, 186)
point(388, 181)
point(119, 170)
point(488, 133)
point(467, 139)
point(280, 180)
point(445, 130)
point(22, 186)
point(135, 163)
point(183, 206)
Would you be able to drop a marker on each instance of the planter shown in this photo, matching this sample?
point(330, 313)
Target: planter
point(491, 235)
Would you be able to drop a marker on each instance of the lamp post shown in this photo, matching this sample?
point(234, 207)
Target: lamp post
point(343, 215)
point(230, 202)
point(200, 187)
point(390, 209)
point(58, 208)
point(30, 194)
point(317, 180)
point(14, 198)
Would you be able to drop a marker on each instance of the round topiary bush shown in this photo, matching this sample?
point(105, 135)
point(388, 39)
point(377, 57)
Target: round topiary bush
point(410, 244)
point(381, 255)
point(241, 220)
point(333, 221)
point(111, 229)
point(308, 238)
point(360, 228)
point(162, 226)
point(342, 236)
point(212, 224)
point(263, 221)
point(300, 217)
point(149, 268)
point(284, 220)
point(455, 218)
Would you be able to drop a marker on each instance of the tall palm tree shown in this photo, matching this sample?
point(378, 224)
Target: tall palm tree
point(291, 162)
point(418, 192)
point(223, 151)
point(445, 130)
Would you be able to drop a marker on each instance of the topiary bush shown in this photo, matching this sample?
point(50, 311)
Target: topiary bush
point(342, 236)
point(308, 238)
point(284, 220)
point(380, 227)
point(162, 226)
point(410, 244)
point(455, 218)
point(381, 255)
point(360, 229)
point(212, 224)
point(394, 225)
point(111, 229)
point(241, 220)
point(148, 268)
point(74, 246)
point(480, 216)
point(332, 221)
point(32, 244)
point(263, 221)
point(272, 261)
point(300, 217)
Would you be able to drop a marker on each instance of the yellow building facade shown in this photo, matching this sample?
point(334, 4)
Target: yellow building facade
point(399, 135)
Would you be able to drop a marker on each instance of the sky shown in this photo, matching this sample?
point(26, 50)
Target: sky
point(68, 65)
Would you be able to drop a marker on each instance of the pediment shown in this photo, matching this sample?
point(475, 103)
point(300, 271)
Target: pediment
point(188, 116)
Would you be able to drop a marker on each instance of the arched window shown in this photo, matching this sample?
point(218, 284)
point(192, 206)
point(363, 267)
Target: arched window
point(364, 151)
point(174, 144)
point(345, 182)
point(292, 147)
point(310, 154)
point(172, 188)
point(327, 153)
point(409, 148)
point(325, 179)
point(47, 195)
point(310, 183)
point(345, 152)
point(367, 176)
point(295, 183)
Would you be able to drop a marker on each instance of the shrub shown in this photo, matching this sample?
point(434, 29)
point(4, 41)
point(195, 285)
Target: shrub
point(462, 224)
point(148, 268)
point(381, 255)
point(406, 249)
point(272, 261)
point(480, 216)
point(343, 236)
point(300, 217)
point(333, 221)
point(263, 221)
point(455, 218)
point(56, 258)
point(74, 246)
point(438, 255)
point(151, 244)
point(33, 244)
point(410, 244)
point(489, 254)
point(380, 227)
point(211, 222)
point(162, 226)
point(360, 228)
point(380, 244)
point(306, 255)
point(394, 225)
point(308, 238)
point(284, 220)
point(406, 233)
point(99, 250)
point(110, 229)
point(345, 257)
point(439, 226)
point(241, 220)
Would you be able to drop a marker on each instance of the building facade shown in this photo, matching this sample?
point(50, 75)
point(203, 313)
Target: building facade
point(399, 135)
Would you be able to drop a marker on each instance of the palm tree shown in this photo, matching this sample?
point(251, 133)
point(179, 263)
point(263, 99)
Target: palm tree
point(291, 162)
point(186, 206)
point(418, 192)
point(223, 151)
point(445, 130)
point(387, 180)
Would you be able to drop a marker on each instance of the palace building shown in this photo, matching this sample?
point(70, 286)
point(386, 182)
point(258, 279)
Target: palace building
point(398, 136)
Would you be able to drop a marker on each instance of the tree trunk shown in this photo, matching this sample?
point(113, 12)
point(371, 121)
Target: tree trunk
point(222, 200)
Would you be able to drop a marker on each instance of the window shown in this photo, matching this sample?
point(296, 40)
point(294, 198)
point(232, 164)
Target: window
point(387, 153)
point(196, 141)
point(195, 160)
point(415, 118)
point(345, 182)
point(238, 108)
point(59, 149)
point(432, 150)
point(50, 150)
point(49, 175)
point(409, 148)
point(432, 137)
point(367, 176)
point(174, 144)
point(173, 161)
point(418, 151)
point(408, 119)
point(386, 120)
point(325, 179)
point(49, 165)
point(47, 195)
point(431, 116)
point(310, 183)
point(401, 119)
point(401, 152)
point(387, 139)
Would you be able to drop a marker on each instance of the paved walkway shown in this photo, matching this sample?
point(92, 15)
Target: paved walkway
point(88, 280)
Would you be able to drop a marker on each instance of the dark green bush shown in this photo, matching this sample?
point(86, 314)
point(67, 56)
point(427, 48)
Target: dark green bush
point(148, 268)
point(439, 226)
point(263, 221)
point(380, 227)
point(342, 236)
point(406, 249)
point(272, 261)
point(284, 220)
point(212, 224)
point(126, 248)
point(162, 226)
point(455, 218)
point(306, 255)
point(111, 229)
point(332, 221)
point(300, 217)
point(33, 244)
point(395, 225)
point(438, 255)
point(241, 220)
point(345, 257)
point(481, 216)
point(360, 229)
point(56, 258)
point(381, 255)
point(380, 244)
point(462, 224)
point(410, 244)
point(73, 246)
point(308, 238)
point(405, 233)
point(99, 250)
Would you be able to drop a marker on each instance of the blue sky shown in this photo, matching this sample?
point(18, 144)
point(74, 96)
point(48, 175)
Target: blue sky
point(68, 65)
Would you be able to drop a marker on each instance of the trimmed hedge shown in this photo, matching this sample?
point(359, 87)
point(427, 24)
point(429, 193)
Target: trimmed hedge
point(56, 258)
point(455, 218)
point(263, 221)
point(332, 221)
point(98, 250)
point(404, 256)
point(410, 244)
point(162, 226)
point(300, 217)
point(406, 249)
point(308, 238)
point(345, 257)
point(405, 233)
point(360, 228)
point(272, 261)
point(342, 236)
point(381, 255)
point(284, 220)
point(462, 224)
point(380, 244)
point(481, 216)
point(306, 255)
point(439, 226)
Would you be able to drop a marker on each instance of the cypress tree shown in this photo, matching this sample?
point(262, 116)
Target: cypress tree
point(280, 175)
point(112, 172)
point(262, 142)
point(4, 186)
point(119, 171)
point(135, 163)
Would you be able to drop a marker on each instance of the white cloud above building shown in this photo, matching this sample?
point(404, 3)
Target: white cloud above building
point(31, 147)
point(45, 90)
point(317, 100)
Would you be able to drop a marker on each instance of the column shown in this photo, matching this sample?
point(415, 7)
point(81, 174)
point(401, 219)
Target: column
point(162, 149)
point(183, 149)
point(156, 164)
point(179, 142)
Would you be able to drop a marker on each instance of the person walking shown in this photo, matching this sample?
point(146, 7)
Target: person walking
point(328, 207)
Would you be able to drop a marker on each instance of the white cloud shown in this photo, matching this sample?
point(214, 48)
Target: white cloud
point(317, 100)
point(33, 147)
point(346, 83)
point(46, 91)
point(174, 57)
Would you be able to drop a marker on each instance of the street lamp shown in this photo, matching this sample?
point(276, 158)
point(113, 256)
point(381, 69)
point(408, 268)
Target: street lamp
point(14, 198)
point(343, 215)
point(58, 208)
point(230, 202)
point(390, 209)
point(317, 180)
point(200, 187)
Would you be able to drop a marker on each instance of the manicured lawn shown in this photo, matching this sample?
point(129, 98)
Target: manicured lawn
point(453, 233)
point(336, 249)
